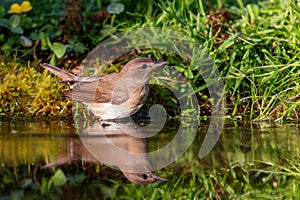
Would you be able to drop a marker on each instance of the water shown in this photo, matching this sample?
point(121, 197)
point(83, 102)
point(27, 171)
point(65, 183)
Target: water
point(42, 142)
point(44, 145)
point(261, 142)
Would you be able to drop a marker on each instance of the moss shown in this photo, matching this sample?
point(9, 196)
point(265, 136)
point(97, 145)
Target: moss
point(26, 92)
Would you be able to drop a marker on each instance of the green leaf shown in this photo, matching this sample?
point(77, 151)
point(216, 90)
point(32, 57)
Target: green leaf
point(53, 60)
point(25, 42)
point(44, 45)
point(79, 47)
point(180, 68)
point(59, 49)
point(4, 23)
point(115, 8)
point(17, 30)
point(228, 43)
point(2, 12)
point(49, 43)
point(188, 74)
point(2, 39)
point(59, 178)
point(44, 185)
point(14, 21)
point(76, 46)
point(49, 183)
point(34, 36)
point(26, 22)
point(45, 42)
point(78, 179)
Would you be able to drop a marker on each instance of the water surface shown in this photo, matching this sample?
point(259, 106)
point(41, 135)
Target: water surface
point(44, 145)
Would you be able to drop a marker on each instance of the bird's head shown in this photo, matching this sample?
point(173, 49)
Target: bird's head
point(141, 68)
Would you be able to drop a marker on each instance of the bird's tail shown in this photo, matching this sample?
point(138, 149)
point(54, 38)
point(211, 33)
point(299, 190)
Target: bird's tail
point(64, 75)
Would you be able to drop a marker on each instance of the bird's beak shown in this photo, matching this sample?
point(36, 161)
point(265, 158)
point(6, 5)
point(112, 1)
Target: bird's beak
point(159, 63)
point(159, 179)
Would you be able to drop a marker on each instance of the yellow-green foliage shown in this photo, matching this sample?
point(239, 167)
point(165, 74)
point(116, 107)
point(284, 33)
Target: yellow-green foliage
point(26, 92)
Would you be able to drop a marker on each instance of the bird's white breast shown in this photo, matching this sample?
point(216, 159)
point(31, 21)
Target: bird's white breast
point(107, 111)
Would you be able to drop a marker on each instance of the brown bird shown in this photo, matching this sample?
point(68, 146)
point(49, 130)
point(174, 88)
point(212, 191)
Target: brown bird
point(111, 96)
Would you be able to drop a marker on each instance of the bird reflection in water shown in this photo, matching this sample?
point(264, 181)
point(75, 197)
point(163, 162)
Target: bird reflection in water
point(113, 145)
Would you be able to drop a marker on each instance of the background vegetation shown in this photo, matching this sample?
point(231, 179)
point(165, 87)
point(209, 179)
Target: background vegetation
point(255, 45)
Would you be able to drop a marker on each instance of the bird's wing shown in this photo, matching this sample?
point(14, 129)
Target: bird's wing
point(97, 90)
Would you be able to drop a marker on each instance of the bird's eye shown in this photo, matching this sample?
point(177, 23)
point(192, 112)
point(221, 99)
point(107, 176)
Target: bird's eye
point(144, 66)
point(144, 176)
